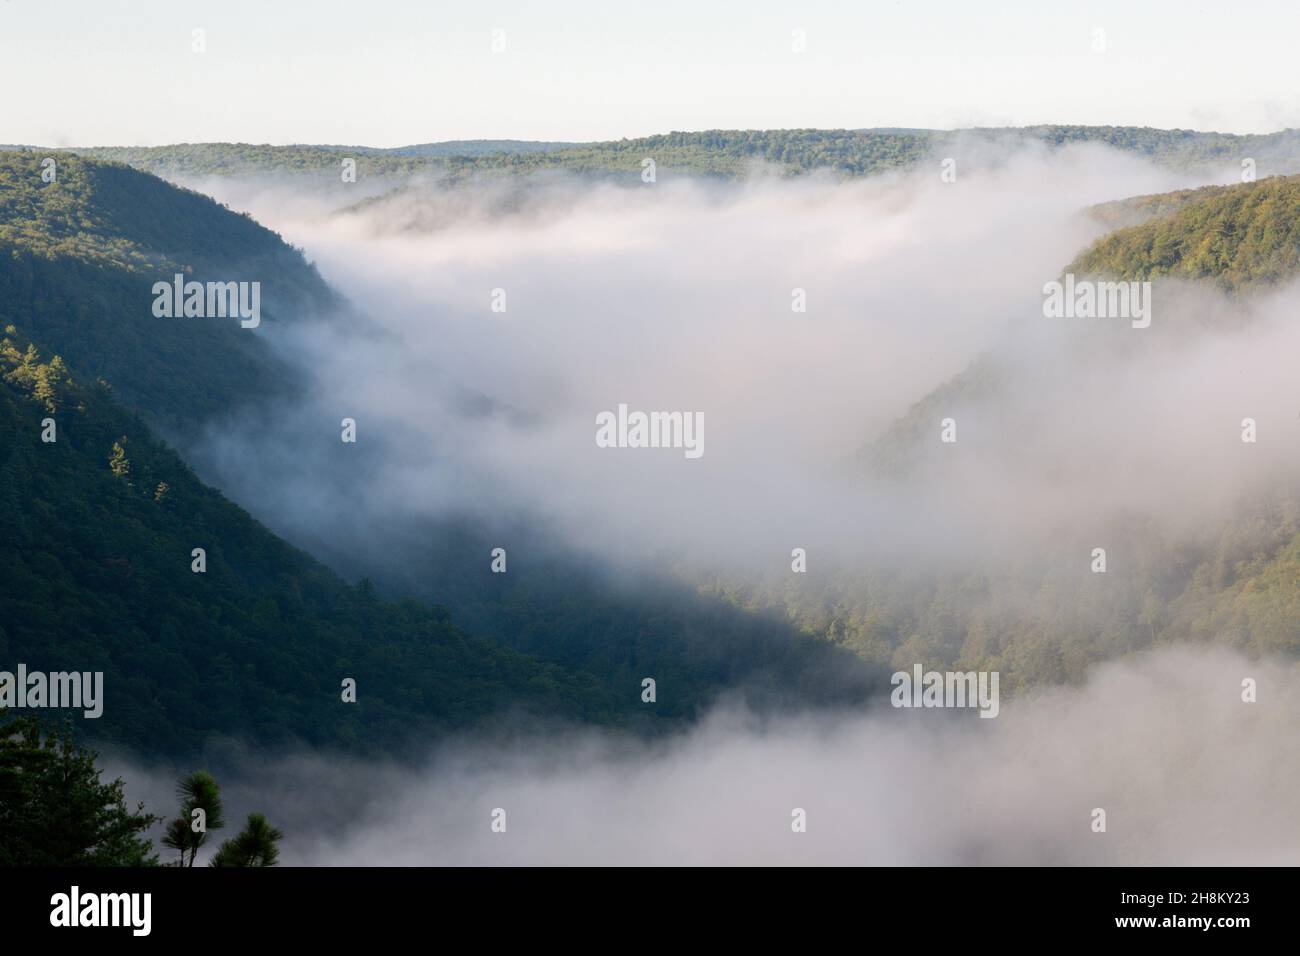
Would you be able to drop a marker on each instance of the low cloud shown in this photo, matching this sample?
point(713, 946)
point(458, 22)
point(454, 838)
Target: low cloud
point(1187, 773)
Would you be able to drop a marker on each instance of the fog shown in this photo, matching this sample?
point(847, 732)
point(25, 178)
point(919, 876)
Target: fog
point(1186, 772)
point(676, 296)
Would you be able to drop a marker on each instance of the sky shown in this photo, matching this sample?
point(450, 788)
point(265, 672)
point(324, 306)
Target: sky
point(396, 72)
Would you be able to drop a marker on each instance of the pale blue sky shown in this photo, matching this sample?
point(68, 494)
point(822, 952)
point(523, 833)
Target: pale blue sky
point(388, 72)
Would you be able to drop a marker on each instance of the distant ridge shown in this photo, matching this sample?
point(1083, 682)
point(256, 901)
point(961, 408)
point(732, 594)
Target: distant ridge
point(729, 154)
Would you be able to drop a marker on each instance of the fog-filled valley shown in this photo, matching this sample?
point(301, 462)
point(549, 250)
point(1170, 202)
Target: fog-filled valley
point(1074, 434)
point(899, 460)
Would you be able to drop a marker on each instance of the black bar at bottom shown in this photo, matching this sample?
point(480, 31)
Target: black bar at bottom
point(664, 905)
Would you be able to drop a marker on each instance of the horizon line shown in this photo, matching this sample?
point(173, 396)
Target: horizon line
point(558, 144)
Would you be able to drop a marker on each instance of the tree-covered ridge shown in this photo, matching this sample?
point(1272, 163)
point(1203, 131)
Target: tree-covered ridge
point(1135, 210)
point(725, 153)
point(1236, 237)
point(1173, 147)
point(97, 532)
point(234, 159)
point(734, 152)
point(80, 256)
point(719, 152)
point(106, 211)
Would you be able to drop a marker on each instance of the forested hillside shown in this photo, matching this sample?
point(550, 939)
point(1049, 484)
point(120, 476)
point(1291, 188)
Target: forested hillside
point(1135, 210)
point(1234, 237)
point(81, 255)
point(97, 570)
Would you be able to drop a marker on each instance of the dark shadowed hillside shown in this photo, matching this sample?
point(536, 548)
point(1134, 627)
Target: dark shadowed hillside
point(96, 561)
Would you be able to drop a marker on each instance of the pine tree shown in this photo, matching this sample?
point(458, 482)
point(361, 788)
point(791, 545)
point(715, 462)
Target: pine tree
point(55, 811)
point(43, 388)
point(255, 845)
point(198, 791)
